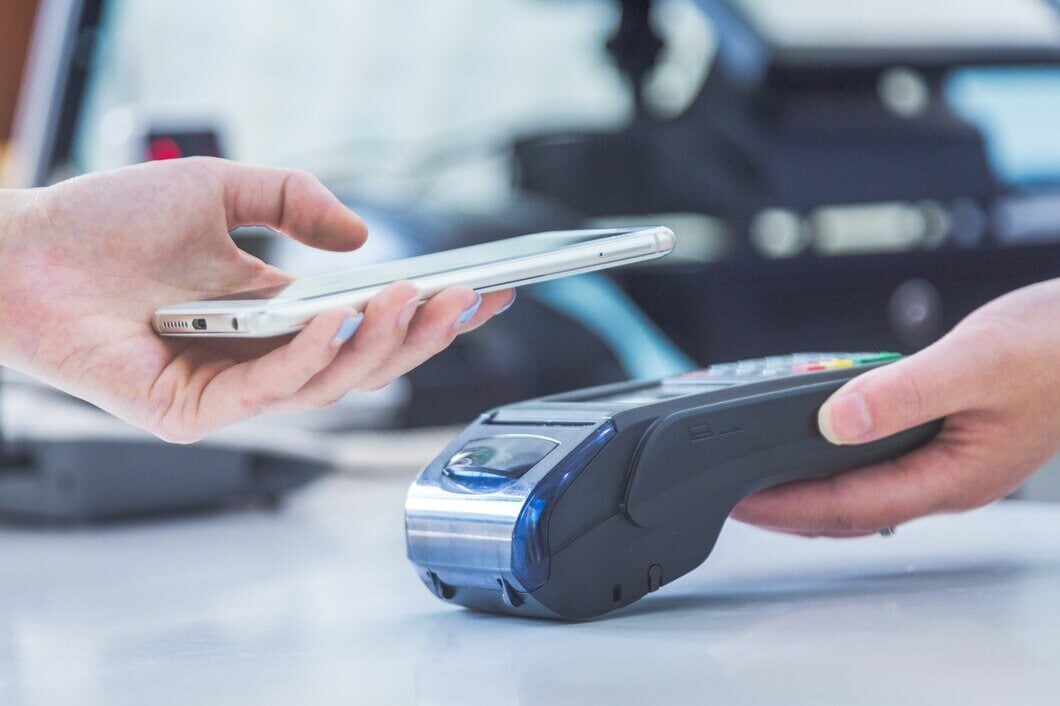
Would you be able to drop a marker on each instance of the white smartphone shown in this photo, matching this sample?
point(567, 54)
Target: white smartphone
point(488, 267)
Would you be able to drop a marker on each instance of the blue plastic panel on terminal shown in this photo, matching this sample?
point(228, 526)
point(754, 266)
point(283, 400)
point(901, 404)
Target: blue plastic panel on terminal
point(530, 551)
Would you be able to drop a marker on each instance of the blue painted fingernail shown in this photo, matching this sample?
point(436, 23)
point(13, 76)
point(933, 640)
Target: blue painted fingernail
point(467, 313)
point(508, 306)
point(346, 331)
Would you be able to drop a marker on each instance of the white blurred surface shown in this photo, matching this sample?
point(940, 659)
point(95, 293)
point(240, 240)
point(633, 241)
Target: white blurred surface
point(1045, 484)
point(379, 89)
point(317, 604)
point(907, 23)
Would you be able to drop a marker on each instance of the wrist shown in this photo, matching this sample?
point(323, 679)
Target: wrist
point(12, 219)
point(22, 214)
point(18, 225)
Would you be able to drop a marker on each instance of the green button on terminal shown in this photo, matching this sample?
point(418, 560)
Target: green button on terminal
point(879, 358)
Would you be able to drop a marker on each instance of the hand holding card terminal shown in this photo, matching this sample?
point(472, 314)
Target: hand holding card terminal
point(575, 505)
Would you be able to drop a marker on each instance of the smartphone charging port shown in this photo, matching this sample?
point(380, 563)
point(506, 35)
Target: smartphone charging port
point(198, 324)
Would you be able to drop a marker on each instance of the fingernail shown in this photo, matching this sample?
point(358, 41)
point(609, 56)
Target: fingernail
point(347, 329)
point(407, 312)
point(846, 419)
point(467, 313)
point(507, 306)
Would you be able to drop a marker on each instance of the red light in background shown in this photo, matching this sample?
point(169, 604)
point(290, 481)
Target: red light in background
point(163, 148)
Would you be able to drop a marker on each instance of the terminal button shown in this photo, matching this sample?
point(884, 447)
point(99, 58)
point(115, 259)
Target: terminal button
point(841, 361)
point(878, 358)
point(808, 368)
point(779, 365)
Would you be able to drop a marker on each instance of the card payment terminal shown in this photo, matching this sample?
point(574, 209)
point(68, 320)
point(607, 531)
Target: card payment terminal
point(577, 504)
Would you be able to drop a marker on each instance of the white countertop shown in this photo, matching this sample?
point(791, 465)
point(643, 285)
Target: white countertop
point(316, 603)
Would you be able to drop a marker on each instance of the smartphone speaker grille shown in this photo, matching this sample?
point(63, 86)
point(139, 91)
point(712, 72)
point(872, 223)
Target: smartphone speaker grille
point(175, 324)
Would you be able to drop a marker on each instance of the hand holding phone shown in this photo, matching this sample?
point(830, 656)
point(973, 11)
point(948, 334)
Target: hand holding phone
point(87, 262)
point(503, 264)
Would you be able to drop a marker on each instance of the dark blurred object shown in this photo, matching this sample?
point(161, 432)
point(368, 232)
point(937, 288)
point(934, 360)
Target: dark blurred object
point(858, 209)
point(753, 308)
point(797, 130)
point(175, 143)
point(95, 479)
point(635, 46)
point(916, 312)
point(529, 350)
point(65, 461)
point(16, 22)
point(51, 96)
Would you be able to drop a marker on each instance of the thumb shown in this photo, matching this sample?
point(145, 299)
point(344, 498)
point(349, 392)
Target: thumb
point(939, 381)
point(293, 202)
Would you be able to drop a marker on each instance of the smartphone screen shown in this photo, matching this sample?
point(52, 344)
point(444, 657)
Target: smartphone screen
point(310, 288)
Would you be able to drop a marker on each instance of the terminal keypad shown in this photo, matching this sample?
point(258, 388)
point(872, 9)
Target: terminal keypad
point(780, 366)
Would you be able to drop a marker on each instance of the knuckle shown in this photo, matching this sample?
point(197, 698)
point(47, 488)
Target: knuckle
point(997, 338)
point(373, 384)
point(954, 483)
point(437, 332)
point(963, 503)
point(251, 405)
point(951, 497)
point(206, 162)
point(403, 290)
point(304, 176)
point(910, 393)
point(299, 179)
point(838, 521)
point(327, 400)
point(840, 516)
point(302, 366)
point(211, 167)
point(437, 342)
point(177, 435)
point(957, 499)
point(965, 497)
point(303, 369)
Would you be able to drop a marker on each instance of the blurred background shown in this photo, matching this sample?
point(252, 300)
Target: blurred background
point(840, 177)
